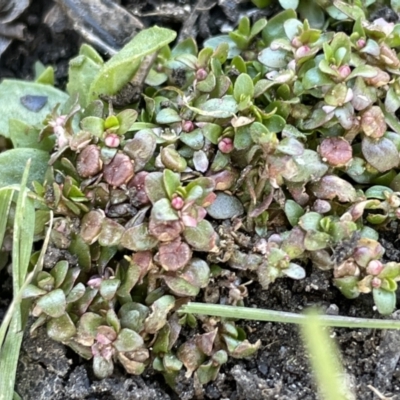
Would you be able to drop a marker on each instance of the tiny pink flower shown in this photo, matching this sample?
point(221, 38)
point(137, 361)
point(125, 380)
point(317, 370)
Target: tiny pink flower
point(94, 282)
point(177, 203)
point(374, 267)
point(296, 42)
point(225, 145)
point(344, 71)
point(376, 283)
point(361, 43)
point(187, 126)
point(112, 140)
point(302, 51)
point(201, 74)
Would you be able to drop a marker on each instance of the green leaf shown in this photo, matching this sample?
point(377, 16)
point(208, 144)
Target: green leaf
point(315, 240)
point(273, 58)
point(215, 41)
point(12, 164)
point(167, 116)
point(82, 70)
point(158, 318)
point(242, 139)
point(377, 192)
point(46, 77)
point(11, 94)
point(163, 211)
point(385, 301)
point(314, 78)
point(293, 212)
point(94, 125)
point(61, 329)
point(274, 29)
point(118, 71)
point(243, 87)
point(53, 303)
point(23, 135)
point(313, 13)
point(310, 221)
point(219, 108)
point(154, 187)
point(128, 340)
point(351, 11)
point(286, 4)
point(138, 238)
point(381, 153)
point(202, 237)
point(171, 182)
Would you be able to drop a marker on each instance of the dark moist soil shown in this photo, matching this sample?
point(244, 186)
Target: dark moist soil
point(48, 370)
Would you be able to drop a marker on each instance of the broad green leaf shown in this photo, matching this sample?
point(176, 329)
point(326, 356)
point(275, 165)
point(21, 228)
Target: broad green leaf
point(385, 301)
point(215, 41)
point(12, 164)
point(315, 78)
point(34, 96)
point(61, 329)
point(53, 303)
point(351, 11)
point(202, 237)
point(274, 29)
point(119, 70)
point(313, 13)
point(273, 58)
point(243, 87)
point(46, 77)
point(293, 212)
point(219, 108)
point(171, 182)
point(381, 153)
point(23, 135)
point(138, 238)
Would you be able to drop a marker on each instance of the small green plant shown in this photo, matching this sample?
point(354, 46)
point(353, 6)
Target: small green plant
point(172, 170)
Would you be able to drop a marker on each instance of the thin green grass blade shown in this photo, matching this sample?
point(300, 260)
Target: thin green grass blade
point(324, 359)
point(5, 204)
point(17, 299)
point(255, 314)
point(24, 222)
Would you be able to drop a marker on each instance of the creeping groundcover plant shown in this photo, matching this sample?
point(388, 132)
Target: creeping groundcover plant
point(167, 175)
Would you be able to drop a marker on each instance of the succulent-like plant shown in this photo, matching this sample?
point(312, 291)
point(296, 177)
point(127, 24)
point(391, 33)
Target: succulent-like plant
point(274, 147)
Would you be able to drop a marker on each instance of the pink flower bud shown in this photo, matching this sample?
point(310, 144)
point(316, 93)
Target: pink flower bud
point(60, 120)
point(374, 267)
point(94, 282)
point(361, 43)
point(376, 283)
point(112, 140)
point(187, 126)
point(225, 145)
point(296, 42)
point(344, 71)
point(201, 74)
point(302, 51)
point(177, 203)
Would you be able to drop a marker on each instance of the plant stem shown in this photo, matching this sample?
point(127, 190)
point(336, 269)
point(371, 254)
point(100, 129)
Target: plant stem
point(224, 311)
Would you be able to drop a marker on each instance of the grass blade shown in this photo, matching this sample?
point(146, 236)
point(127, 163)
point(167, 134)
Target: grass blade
point(285, 317)
point(17, 299)
point(5, 204)
point(324, 359)
point(24, 222)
